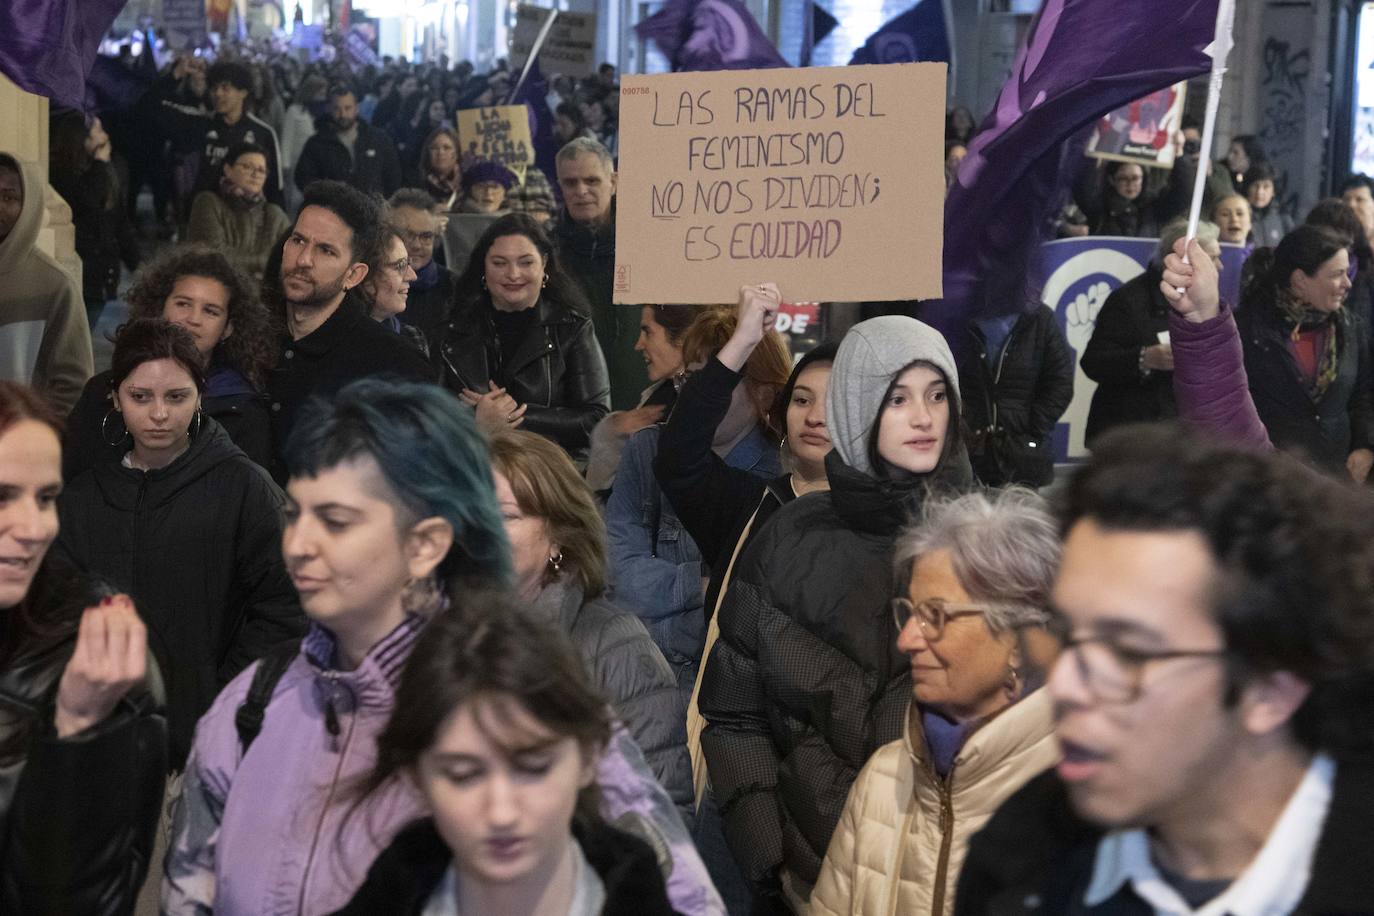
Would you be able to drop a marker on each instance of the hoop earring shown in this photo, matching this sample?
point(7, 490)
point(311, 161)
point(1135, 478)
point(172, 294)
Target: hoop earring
point(198, 421)
point(1014, 688)
point(556, 561)
point(104, 431)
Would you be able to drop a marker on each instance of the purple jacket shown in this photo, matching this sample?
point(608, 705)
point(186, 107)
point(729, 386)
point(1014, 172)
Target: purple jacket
point(1210, 385)
point(276, 832)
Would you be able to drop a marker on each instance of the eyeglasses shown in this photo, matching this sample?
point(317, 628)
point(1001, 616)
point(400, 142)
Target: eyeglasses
point(400, 266)
point(1115, 674)
point(932, 615)
point(254, 170)
point(417, 238)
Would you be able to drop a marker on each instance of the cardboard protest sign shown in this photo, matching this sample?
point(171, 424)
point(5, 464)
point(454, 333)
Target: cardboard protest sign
point(828, 181)
point(1143, 131)
point(499, 134)
point(570, 48)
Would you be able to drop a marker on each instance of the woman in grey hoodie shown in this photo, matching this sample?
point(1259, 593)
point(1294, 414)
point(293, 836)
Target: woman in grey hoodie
point(806, 680)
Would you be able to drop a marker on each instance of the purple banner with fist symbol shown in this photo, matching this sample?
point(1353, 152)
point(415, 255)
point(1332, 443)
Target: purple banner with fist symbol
point(1076, 276)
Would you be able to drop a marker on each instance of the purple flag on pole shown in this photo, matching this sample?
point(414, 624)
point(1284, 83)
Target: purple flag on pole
point(709, 35)
point(1081, 59)
point(533, 94)
point(919, 34)
point(48, 46)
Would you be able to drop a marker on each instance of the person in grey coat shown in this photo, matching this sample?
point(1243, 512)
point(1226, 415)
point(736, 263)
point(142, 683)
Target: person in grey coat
point(558, 544)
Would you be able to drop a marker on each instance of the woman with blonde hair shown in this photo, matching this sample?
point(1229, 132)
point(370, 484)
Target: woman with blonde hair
point(656, 568)
point(558, 547)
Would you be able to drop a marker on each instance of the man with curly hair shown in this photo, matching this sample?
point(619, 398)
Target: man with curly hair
point(1214, 702)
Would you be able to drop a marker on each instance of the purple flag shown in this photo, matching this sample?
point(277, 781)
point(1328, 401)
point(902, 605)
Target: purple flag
point(919, 34)
point(1081, 59)
point(709, 35)
point(48, 46)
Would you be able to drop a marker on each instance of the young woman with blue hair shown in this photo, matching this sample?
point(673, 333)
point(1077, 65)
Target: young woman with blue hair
point(392, 518)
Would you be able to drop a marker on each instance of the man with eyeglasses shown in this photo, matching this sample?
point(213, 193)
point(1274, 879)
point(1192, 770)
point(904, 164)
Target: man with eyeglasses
point(430, 299)
point(1213, 702)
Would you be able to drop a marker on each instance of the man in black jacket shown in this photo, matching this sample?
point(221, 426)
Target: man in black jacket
point(430, 299)
point(330, 339)
point(350, 150)
point(229, 124)
point(585, 236)
point(1213, 699)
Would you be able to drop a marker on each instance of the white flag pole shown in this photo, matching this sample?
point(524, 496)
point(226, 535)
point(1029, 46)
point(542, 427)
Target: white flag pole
point(1219, 49)
point(539, 46)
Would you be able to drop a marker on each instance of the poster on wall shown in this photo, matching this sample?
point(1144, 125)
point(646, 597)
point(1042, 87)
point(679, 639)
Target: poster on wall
point(808, 177)
point(1143, 131)
point(570, 48)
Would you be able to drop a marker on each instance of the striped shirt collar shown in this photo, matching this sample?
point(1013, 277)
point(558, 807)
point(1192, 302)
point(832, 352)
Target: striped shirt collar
point(385, 659)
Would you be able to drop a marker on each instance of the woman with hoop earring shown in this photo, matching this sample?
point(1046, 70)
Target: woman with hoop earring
point(184, 523)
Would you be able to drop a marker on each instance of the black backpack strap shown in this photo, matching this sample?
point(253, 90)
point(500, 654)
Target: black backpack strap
point(249, 716)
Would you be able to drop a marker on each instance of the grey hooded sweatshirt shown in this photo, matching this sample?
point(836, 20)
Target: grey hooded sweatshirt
point(870, 356)
point(44, 338)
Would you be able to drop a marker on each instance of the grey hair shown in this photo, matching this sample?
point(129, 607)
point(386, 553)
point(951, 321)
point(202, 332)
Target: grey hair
point(1003, 544)
point(1207, 231)
point(415, 199)
point(586, 146)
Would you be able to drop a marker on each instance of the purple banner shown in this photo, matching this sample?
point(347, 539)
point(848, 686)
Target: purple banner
point(47, 47)
point(709, 35)
point(1075, 277)
point(1081, 59)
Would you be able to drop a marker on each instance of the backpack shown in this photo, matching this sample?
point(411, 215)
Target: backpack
point(248, 718)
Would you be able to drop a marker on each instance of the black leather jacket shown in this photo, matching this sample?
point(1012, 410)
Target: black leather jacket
point(77, 814)
point(558, 369)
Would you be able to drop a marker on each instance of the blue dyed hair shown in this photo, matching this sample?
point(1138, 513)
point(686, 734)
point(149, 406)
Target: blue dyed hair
point(431, 455)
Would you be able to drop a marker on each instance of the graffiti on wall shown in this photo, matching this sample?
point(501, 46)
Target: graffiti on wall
point(1283, 92)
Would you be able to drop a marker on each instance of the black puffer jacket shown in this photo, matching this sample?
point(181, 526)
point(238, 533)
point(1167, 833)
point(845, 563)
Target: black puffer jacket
point(1131, 319)
point(77, 814)
point(197, 545)
point(407, 872)
point(1011, 408)
point(1324, 431)
point(240, 410)
point(633, 674)
point(557, 370)
point(806, 681)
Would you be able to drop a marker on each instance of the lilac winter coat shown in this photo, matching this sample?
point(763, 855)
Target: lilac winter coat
point(1210, 385)
point(274, 832)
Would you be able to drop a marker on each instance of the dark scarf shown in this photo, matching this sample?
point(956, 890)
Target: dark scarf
point(443, 187)
point(1296, 317)
point(237, 197)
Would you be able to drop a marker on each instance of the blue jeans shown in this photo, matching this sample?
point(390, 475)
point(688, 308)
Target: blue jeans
point(709, 835)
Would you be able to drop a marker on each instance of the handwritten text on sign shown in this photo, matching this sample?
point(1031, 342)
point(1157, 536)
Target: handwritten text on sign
point(827, 180)
point(500, 134)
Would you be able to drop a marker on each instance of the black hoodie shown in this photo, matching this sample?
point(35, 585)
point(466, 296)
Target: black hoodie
point(197, 545)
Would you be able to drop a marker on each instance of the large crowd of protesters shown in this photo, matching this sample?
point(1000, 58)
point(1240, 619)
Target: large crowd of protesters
point(389, 568)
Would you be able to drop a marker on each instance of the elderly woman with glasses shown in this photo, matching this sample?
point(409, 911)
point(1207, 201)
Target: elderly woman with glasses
point(972, 617)
point(237, 219)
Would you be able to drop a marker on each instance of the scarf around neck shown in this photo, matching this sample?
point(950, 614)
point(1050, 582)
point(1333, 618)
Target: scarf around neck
point(1297, 316)
point(237, 197)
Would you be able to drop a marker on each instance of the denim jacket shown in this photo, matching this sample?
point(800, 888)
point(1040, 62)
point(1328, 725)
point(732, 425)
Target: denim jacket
point(656, 568)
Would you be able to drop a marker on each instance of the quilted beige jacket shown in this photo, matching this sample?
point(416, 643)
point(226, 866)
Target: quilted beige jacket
point(904, 832)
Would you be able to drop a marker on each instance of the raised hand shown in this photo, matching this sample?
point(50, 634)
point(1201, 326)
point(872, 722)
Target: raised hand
point(111, 657)
point(1191, 287)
